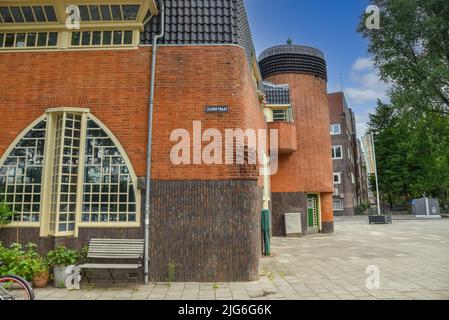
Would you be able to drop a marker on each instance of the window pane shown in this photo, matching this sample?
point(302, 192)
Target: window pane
point(28, 13)
point(94, 13)
point(50, 12)
point(117, 37)
point(130, 12)
point(9, 41)
point(105, 13)
point(52, 39)
point(116, 12)
point(6, 15)
point(84, 12)
point(31, 39)
point(86, 38)
point(39, 13)
point(96, 38)
point(106, 37)
point(2, 36)
point(17, 14)
point(128, 38)
point(76, 38)
point(20, 40)
point(42, 39)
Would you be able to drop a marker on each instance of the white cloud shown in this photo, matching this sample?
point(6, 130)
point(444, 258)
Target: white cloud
point(363, 64)
point(363, 95)
point(366, 87)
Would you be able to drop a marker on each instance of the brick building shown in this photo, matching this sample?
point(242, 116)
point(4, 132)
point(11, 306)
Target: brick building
point(349, 175)
point(73, 137)
point(304, 180)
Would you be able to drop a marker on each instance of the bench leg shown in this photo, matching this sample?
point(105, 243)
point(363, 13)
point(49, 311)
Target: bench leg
point(112, 275)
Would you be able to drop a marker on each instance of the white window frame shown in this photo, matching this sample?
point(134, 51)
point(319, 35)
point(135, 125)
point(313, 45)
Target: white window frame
point(65, 35)
point(334, 152)
point(342, 207)
point(46, 187)
point(335, 132)
point(337, 174)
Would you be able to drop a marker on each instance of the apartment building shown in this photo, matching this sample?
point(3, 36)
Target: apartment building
point(349, 178)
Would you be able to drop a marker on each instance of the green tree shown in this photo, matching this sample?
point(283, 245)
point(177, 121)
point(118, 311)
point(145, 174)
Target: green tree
point(412, 151)
point(6, 214)
point(411, 50)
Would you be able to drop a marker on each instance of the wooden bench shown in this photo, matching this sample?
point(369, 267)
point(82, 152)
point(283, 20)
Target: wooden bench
point(111, 250)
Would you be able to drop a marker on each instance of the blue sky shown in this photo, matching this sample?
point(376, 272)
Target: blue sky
point(329, 25)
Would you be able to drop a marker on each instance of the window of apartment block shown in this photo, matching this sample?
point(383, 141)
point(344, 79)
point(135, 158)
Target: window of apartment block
point(337, 152)
point(68, 171)
point(335, 129)
point(337, 178)
point(338, 204)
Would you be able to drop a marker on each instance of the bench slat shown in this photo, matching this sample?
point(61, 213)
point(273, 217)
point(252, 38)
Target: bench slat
point(109, 266)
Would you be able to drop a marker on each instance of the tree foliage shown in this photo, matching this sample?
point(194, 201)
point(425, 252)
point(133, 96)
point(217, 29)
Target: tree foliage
point(411, 51)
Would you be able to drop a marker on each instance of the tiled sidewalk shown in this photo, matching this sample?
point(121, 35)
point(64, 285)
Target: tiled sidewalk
point(412, 256)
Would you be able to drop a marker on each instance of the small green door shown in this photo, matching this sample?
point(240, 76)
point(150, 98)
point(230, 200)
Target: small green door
point(312, 208)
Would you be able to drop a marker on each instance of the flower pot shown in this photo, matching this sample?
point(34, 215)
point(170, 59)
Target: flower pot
point(41, 280)
point(59, 276)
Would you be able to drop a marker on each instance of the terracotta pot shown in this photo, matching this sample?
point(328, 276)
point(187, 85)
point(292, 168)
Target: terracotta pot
point(41, 280)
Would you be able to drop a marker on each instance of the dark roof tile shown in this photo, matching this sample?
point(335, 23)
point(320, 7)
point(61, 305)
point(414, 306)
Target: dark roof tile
point(277, 94)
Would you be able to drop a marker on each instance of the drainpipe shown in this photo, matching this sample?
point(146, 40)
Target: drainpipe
point(150, 143)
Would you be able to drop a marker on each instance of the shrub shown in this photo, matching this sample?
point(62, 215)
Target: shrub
point(22, 262)
point(62, 256)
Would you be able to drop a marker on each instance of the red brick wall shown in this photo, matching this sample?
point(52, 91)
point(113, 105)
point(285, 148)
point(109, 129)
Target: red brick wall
point(286, 135)
point(310, 168)
point(115, 86)
point(335, 107)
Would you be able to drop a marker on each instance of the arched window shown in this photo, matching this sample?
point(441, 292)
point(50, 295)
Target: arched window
point(21, 174)
point(68, 171)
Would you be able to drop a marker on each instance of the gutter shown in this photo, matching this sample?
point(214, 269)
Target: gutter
point(150, 143)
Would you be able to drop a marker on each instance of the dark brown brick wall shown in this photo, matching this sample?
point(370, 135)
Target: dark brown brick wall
point(287, 202)
point(217, 231)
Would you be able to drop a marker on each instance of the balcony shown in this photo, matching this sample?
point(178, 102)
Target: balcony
point(281, 118)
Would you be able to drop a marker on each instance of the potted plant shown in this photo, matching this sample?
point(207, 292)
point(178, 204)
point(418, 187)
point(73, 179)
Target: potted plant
point(25, 263)
point(59, 259)
point(41, 273)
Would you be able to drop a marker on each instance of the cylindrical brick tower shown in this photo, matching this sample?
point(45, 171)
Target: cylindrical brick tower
point(304, 179)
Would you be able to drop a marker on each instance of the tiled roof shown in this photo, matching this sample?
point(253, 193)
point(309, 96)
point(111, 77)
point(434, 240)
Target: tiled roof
point(203, 22)
point(291, 49)
point(292, 59)
point(277, 94)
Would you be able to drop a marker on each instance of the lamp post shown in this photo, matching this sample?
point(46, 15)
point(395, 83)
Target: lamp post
point(375, 173)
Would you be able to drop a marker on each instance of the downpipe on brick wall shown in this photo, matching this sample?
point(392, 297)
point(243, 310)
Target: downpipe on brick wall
point(150, 143)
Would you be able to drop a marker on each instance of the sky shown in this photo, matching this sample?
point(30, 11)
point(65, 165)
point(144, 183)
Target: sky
point(329, 25)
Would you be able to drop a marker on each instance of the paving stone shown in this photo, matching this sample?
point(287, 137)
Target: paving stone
point(320, 267)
